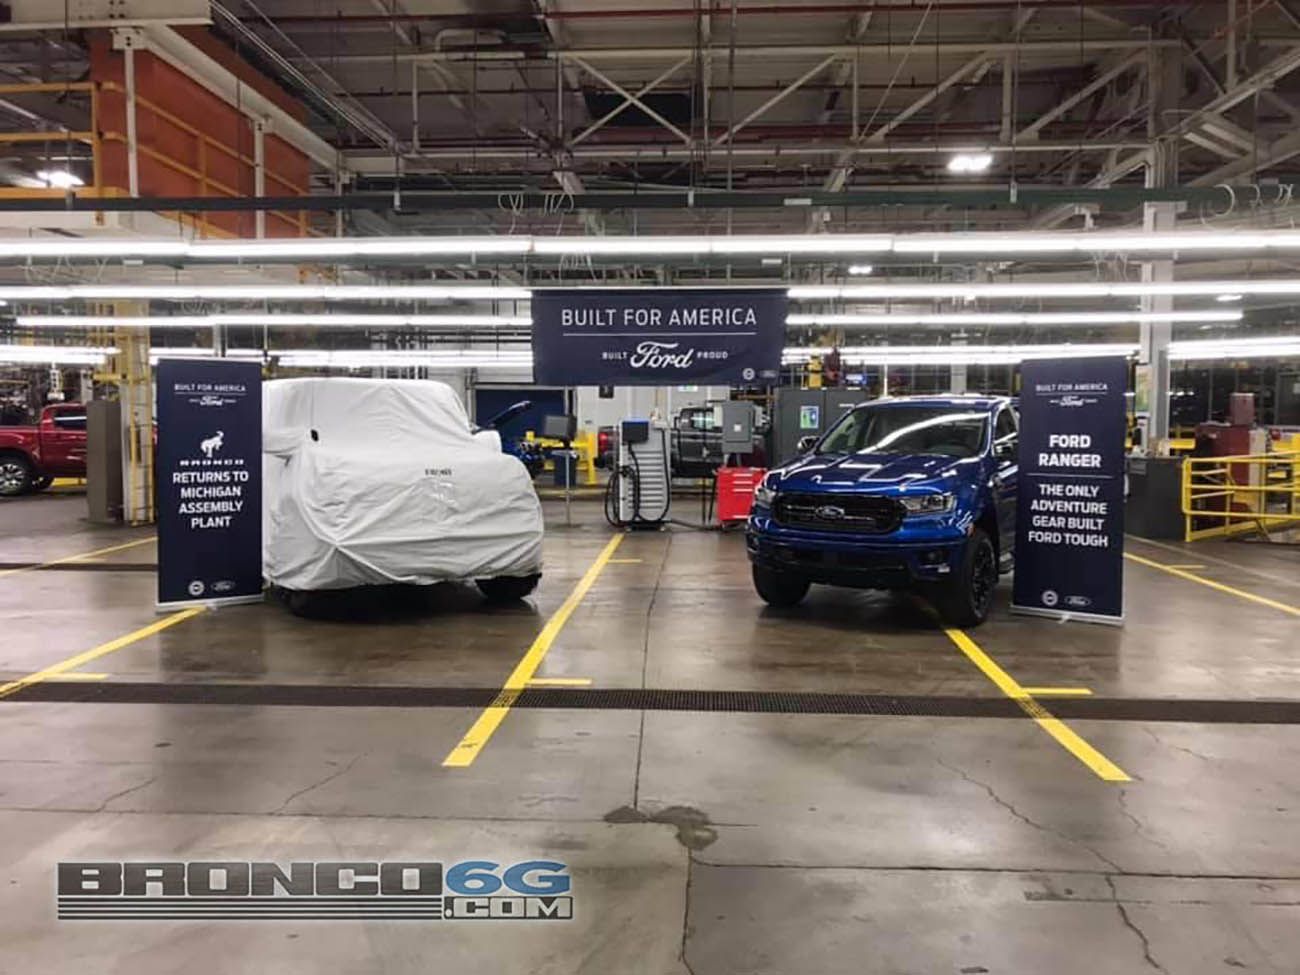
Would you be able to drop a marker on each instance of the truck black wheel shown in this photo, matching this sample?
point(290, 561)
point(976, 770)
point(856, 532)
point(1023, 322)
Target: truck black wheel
point(16, 475)
point(303, 603)
point(507, 589)
point(965, 600)
point(779, 588)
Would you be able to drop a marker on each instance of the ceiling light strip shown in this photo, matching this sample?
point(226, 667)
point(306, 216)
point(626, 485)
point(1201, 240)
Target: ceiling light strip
point(1088, 242)
point(1030, 289)
point(287, 292)
point(281, 320)
point(1029, 318)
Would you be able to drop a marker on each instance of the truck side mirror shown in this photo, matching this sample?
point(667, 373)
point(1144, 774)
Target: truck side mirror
point(1006, 449)
point(806, 444)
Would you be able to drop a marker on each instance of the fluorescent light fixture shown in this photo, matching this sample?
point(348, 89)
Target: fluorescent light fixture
point(769, 244)
point(939, 355)
point(1277, 346)
point(346, 248)
point(860, 269)
point(970, 162)
point(283, 320)
point(60, 178)
point(92, 247)
point(802, 244)
point(1026, 319)
point(59, 355)
point(1093, 242)
point(616, 246)
point(1030, 289)
point(404, 359)
point(274, 292)
point(342, 247)
point(1228, 298)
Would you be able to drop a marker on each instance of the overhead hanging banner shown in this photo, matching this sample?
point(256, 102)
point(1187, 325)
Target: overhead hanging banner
point(649, 337)
point(1070, 490)
point(209, 475)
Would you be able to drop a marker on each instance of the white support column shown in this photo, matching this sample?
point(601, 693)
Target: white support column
point(415, 106)
point(132, 156)
point(1231, 71)
point(259, 174)
point(1165, 80)
point(338, 191)
point(1153, 348)
point(1008, 97)
point(957, 371)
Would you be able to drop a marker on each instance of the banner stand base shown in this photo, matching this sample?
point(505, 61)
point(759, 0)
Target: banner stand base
point(223, 601)
point(1064, 616)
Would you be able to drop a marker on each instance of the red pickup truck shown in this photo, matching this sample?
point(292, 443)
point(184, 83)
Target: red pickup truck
point(33, 456)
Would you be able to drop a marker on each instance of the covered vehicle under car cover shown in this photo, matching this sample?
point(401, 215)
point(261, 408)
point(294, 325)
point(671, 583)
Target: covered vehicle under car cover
point(370, 482)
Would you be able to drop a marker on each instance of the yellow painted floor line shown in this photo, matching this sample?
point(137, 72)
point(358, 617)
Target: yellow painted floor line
point(1232, 591)
point(77, 675)
point(625, 561)
point(559, 682)
point(1185, 565)
point(1182, 551)
point(1065, 736)
point(81, 556)
point(1058, 691)
point(72, 663)
point(468, 747)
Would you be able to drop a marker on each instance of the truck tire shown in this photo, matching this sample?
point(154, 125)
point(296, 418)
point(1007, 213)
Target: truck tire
point(965, 600)
point(299, 603)
point(507, 589)
point(16, 475)
point(779, 588)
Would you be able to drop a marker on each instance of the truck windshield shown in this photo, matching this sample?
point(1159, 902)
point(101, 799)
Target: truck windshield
point(947, 430)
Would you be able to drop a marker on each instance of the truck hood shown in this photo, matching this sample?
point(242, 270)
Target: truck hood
point(829, 472)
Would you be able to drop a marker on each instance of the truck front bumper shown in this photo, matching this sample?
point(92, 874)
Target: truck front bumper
point(918, 552)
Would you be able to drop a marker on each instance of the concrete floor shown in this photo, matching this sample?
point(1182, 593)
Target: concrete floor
point(714, 842)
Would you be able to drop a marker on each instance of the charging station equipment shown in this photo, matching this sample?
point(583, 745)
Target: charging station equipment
point(640, 489)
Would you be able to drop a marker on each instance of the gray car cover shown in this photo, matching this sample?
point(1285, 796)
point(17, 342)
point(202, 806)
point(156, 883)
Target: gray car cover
point(369, 482)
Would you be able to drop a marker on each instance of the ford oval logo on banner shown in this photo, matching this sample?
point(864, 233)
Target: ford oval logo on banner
point(668, 337)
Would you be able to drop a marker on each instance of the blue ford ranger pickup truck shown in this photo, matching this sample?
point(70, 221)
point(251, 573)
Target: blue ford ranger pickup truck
point(913, 493)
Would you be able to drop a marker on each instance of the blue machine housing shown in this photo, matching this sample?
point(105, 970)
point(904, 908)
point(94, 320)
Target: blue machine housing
point(838, 519)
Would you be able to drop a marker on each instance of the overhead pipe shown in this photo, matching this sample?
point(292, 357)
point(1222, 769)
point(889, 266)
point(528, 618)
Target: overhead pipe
point(1025, 197)
point(471, 21)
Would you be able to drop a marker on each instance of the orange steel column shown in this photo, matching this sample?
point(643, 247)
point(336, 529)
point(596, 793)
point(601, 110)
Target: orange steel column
point(190, 142)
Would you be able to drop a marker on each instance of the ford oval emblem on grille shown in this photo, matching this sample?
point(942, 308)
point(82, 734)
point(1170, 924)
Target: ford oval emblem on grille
point(829, 512)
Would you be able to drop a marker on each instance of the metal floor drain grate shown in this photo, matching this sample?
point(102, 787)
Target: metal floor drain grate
point(637, 699)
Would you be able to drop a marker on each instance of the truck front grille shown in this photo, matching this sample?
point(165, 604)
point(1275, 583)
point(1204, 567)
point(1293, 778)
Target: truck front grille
point(863, 514)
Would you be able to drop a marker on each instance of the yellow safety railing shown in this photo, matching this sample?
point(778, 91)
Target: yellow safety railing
point(1243, 493)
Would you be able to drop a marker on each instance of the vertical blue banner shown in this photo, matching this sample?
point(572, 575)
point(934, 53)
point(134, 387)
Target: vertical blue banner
point(209, 477)
point(1070, 506)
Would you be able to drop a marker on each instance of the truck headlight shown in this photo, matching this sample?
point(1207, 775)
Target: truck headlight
point(928, 504)
point(764, 494)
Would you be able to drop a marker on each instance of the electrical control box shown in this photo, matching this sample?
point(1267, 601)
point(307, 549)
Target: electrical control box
point(736, 419)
